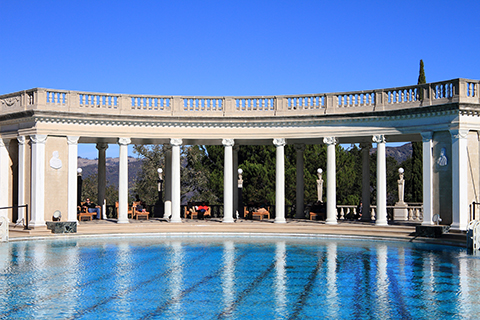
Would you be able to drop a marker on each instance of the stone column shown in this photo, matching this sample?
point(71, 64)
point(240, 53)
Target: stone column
point(280, 181)
point(21, 177)
point(37, 192)
point(366, 181)
point(460, 210)
point(236, 208)
point(331, 181)
point(228, 181)
point(381, 216)
point(102, 175)
point(427, 178)
point(72, 143)
point(168, 181)
point(300, 148)
point(176, 143)
point(4, 176)
point(123, 180)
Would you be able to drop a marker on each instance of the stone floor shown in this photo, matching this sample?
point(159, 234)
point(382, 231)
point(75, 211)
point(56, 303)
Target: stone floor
point(297, 227)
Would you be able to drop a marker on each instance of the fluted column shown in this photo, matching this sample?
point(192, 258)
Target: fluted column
point(176, 143)
point(381, 216)
point(300, 188)
point(102, 174)
point(459, 179)
point(280, 181)
point(72, 143)
point(427, 178)
point(331, 181)
point(168, 181)
point(37, 192)
point(4, 176)
point(366, 181)
point(228, 181)
point(123, 180)
point(21, 177)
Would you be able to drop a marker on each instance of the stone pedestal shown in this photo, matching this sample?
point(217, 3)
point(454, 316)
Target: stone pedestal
point(401, 213)
point(62, 227)
point(431, 231)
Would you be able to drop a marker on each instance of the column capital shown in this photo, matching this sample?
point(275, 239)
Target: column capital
point(124, 141)
point(38, 138)
point(21, 140)
point(228, 142)
point(72, 140)
point(379, 138)
point(279, 142)
point(459, 133)
point(329, 140)
point(426, 136)
point(299, 147)
point(102, 146)
point(176, 142)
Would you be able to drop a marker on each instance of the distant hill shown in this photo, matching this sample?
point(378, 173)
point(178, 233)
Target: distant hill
point(400, 154)
point(90, 167)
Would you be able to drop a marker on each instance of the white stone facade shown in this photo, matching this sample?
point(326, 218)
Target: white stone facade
point(36, 123)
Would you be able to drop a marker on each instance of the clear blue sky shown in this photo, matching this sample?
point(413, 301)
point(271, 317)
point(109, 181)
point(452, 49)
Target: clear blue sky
point(234, 47)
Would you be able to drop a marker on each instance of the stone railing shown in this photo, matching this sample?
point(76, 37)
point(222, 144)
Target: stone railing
point(437, 93)
point(415, 212)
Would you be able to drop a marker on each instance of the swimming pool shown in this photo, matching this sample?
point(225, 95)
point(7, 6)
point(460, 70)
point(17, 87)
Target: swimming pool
point(202, 277)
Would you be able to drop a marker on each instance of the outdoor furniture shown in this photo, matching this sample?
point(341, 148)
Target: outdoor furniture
point(190, 210)
point(257, 214)
point(82, 212)
point(137, 213)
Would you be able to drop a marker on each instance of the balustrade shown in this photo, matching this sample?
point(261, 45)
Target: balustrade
point(392, 99)
point(415, 212)
point(203, 104)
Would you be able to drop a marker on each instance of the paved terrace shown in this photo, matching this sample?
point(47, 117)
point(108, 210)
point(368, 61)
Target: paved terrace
point(293, 227)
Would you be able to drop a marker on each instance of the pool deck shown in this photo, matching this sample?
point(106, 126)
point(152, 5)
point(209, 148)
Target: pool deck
point(293, 227)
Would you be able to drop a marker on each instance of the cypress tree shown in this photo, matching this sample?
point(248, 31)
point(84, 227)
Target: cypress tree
point(416, 182)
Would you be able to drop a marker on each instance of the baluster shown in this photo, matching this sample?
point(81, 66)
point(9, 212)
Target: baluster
point(410, 214)
point(341, 214)
point(417, 214)
point(354, 212)
point(372, 214)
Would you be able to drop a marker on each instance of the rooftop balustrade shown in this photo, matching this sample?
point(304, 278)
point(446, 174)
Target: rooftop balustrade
point(437, 93)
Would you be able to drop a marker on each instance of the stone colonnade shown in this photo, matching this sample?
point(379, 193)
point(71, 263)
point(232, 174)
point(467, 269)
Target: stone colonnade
point(37, 157)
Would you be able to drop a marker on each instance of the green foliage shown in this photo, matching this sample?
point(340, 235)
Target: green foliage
point(421, 74)
point(416, 181)
point(145, 184)
point(90, 190)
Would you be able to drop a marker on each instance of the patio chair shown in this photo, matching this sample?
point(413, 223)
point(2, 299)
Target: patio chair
point(136, 213)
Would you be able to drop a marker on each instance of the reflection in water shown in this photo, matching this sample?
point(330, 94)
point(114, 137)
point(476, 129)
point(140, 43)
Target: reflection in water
point(228, 275)
point(280, 283)
point(382, 280)
point(332, 295)
point(176, 279)
point(183, 278)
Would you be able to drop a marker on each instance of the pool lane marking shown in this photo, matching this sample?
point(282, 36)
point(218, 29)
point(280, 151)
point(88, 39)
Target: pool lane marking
point(129, 290)
point(161, 309)
point(63, 292)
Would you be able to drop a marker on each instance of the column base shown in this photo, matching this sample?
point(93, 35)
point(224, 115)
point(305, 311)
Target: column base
point(427, 223)
point(176, 220)
point(458, 226)
point(280, 221)
point(381, 223)
point(36, 224)
point(123, 221)
point(331, 222)
point(228, 221)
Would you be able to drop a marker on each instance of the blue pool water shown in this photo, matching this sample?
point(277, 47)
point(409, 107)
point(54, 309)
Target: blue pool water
point(236, 278)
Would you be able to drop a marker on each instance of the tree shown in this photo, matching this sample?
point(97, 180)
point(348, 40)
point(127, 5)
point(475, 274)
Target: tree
point(90, 190)
point(416, 181)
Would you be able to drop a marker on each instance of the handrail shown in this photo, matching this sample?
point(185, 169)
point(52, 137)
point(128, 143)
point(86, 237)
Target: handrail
point(436, 93)
point(25, 220)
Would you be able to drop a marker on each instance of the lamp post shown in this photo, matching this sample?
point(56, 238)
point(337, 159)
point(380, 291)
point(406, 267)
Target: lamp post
point(79, 186)
point(240, 198)
point(159, 205)
point(320, 185)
